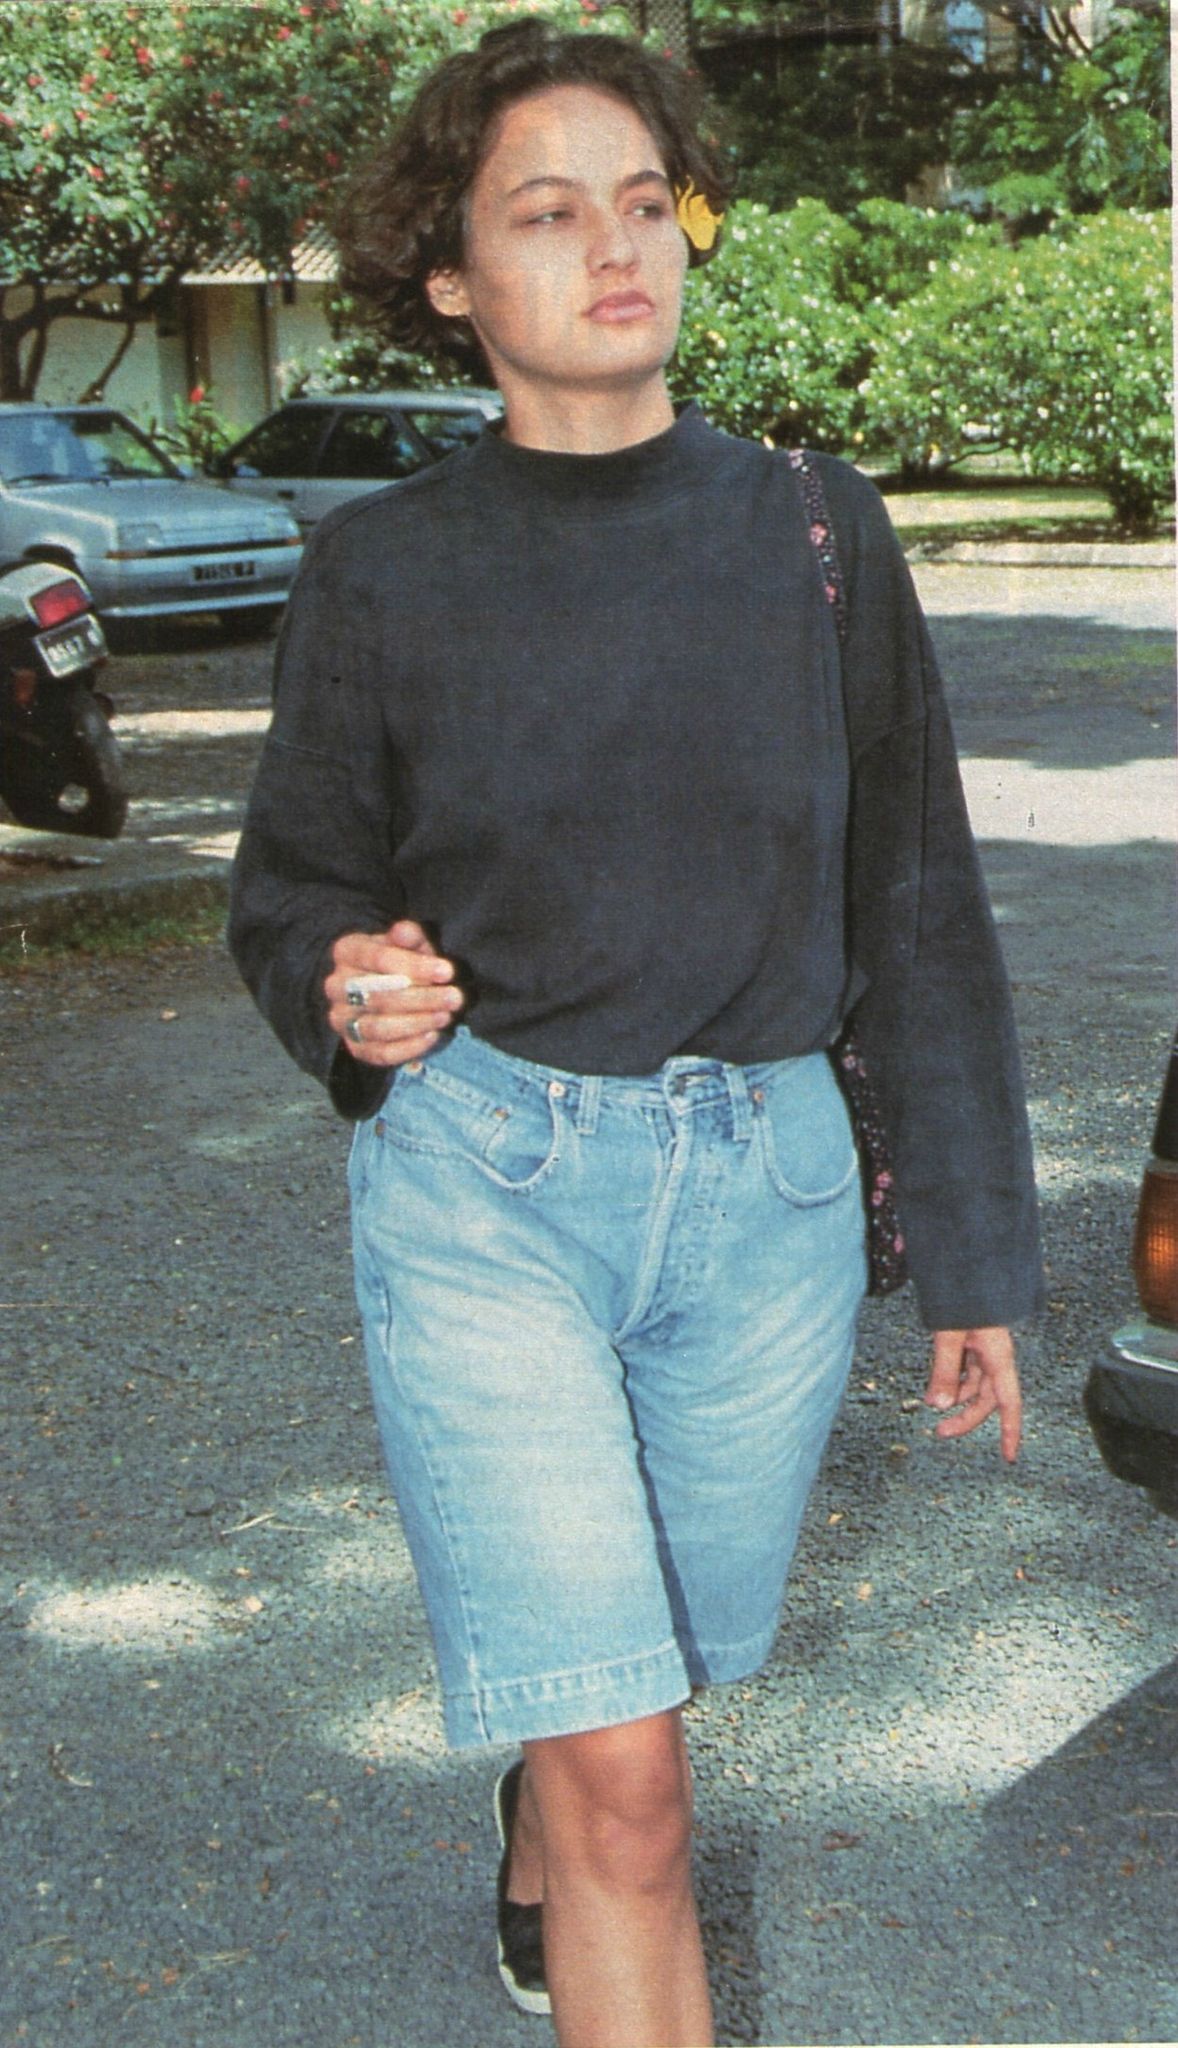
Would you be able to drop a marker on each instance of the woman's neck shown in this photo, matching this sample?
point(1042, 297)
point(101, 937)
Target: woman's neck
point(586, 422)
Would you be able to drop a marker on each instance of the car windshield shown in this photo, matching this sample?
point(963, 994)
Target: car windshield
point(61, 448)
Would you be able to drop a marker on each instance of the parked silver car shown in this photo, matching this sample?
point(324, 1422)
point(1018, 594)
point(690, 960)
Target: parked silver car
point(83, 486)
point(315, 453)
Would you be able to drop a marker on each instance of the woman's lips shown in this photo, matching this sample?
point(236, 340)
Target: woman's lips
point(618, 306)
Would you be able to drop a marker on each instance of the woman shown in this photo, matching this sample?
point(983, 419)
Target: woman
point(564, 755)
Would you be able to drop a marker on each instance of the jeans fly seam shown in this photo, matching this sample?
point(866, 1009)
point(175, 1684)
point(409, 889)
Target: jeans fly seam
point(659, 1229)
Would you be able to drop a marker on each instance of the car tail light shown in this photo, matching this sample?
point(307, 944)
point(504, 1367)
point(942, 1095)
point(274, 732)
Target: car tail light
point(60, 601)
point(1155, 1243)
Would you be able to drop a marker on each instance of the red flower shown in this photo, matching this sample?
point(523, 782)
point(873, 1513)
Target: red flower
point(459, 16)
point(331, 159)
point(87, 81)
point(35, 78)
point(284, 120)
point(196, 394)
point(241, 183)
point(95, 171)
point(285, 34)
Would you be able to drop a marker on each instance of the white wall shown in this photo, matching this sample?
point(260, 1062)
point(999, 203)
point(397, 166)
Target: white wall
point(300, 331)
point(78, 350)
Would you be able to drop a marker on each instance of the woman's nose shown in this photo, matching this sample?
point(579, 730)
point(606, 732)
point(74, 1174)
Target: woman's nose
point(612, 243)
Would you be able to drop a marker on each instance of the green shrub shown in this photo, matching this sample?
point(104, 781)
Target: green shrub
point(198, 432)
point(1058, 351)
point(901, 247)
point(1101, 406)
point(773, 343)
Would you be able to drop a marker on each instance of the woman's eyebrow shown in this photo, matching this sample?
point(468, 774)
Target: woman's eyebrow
point(574, 184)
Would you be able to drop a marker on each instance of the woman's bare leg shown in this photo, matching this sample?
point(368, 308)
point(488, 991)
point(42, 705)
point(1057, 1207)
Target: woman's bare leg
point(622, 1950)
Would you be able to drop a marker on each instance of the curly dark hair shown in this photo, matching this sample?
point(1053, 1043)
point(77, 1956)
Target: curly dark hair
point(402, 216)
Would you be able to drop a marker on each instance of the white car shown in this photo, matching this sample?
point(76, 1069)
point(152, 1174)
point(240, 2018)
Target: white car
point(315, 453)
point(82, 486)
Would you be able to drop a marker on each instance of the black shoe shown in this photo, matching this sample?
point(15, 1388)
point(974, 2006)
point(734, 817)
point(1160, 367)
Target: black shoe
point(521, 1950)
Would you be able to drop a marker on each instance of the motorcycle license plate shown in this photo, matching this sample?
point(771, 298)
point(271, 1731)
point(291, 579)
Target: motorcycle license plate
point(77, 645)
point(224, 572)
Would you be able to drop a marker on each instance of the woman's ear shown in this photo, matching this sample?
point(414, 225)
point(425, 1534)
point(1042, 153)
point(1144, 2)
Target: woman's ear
point(447, 294)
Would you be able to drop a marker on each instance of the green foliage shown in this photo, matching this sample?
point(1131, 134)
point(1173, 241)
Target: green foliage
point(772, 342)
point(921, 338)
point(1058, 350)
point(836, 121)
point(135, 137)
point(199, 431)
point(901, 247)
point(362, 361)
point(1081, 134)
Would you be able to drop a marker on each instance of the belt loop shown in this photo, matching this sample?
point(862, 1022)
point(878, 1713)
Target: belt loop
point(742, 1109)
point(589, 1106)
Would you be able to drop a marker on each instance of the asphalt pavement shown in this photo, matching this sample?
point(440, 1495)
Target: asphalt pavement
point(948, 1809)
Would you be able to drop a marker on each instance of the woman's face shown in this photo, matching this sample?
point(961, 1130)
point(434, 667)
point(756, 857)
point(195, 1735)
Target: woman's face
point(573, 265)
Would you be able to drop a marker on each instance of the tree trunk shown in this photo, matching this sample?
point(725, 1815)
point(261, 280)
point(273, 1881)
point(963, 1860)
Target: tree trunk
point(10, 341)
point(132, 313)
point(35, 362)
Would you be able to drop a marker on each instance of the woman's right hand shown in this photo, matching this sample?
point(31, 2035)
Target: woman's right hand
point(392, 1024)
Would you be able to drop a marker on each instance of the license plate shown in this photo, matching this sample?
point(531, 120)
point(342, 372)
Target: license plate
point(224, 572)
point(76, 645)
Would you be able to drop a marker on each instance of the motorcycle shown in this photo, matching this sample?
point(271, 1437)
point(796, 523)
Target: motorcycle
point(60, 765)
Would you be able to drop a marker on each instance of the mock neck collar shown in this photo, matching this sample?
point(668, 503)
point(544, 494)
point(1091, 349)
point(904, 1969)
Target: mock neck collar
point(684, 454)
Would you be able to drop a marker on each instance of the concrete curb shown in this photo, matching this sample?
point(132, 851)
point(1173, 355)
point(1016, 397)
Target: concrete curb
point(1035, 554)
point(60, 904)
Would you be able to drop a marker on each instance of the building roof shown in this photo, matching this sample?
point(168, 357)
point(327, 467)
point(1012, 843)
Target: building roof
point(313, 261)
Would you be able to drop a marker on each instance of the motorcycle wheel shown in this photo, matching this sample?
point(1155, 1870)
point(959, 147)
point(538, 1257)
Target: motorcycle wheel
point(78, 787)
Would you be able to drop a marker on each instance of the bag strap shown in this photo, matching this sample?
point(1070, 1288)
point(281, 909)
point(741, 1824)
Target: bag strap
point(886, 1251)
point(821, 534)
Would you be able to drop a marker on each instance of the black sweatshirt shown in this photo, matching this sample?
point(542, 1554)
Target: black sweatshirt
point(583, 717)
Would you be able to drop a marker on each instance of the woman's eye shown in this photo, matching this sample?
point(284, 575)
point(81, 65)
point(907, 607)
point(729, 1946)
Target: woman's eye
point(653, 209)
point(536, 220)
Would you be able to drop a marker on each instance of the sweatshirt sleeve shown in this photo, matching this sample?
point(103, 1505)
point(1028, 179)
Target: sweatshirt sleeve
point(936, 1021)
point(315, 856)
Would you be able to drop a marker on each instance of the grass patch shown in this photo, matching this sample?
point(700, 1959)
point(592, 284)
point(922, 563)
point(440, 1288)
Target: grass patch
point(1001, 508)
point(92, 929)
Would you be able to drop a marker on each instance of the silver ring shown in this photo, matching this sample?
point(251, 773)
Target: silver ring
point(355, 995)
point(352, 1027)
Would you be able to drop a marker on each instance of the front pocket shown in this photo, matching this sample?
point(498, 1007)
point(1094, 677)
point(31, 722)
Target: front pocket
point(513, 1142)
point(805, 1133)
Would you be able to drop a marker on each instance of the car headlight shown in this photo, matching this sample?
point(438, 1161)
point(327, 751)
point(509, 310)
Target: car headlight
point(139, 537)
point(279, 526)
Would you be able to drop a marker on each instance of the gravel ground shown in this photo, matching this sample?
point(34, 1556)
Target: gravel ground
point(946, 1811)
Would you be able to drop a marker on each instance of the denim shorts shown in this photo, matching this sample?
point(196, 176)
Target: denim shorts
point(608, 1325)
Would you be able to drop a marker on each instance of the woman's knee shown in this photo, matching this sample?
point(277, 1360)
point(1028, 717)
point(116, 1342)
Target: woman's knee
point(617, 1801)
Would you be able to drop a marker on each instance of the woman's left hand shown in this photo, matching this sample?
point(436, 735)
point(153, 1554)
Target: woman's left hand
point(974, 1372)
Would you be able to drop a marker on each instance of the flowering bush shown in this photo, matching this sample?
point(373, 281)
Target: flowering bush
point(1058, 350)
point(198, 432)
point(773, 342)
